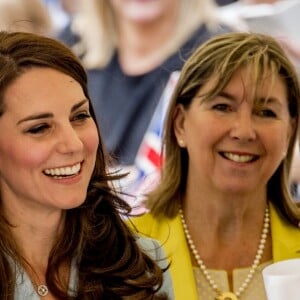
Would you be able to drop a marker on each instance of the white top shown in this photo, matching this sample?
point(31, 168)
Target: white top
point(255, 290)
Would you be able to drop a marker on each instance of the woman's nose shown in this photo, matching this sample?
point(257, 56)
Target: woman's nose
point(243, 127)
point(69, 141)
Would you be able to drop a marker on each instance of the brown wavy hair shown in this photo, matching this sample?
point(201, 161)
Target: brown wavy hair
point(220, 57)
point(109, 262)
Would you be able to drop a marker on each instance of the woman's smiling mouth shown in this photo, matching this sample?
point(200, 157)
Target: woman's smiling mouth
point(63, 171)
point(239, 158)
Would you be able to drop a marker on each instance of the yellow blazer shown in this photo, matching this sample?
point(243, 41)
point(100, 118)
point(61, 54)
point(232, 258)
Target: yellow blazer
point(285, 245)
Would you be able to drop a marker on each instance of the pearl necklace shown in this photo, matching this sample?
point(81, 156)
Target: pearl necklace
point(229, 295)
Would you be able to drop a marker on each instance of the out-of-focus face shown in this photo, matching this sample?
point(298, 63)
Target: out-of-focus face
point(69, 6)
point(144, 11)
point(48, 142)
point(233, 144)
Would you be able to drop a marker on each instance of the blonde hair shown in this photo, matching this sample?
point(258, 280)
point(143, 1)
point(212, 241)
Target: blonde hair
point(96, 26)
point(220, 57)
point(25, 15)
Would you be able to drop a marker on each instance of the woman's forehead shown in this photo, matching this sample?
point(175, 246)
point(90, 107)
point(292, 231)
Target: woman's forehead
point(245, 81)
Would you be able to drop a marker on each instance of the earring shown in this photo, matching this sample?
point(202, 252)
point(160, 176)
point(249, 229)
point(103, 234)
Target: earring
point(181, 143)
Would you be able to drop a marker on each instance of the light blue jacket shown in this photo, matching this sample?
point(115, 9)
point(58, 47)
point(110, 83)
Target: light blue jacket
point(24, 289)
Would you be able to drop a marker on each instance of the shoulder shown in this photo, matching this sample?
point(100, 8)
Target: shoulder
point(197, 38)
point(142, 224)
point(145, 219)
point(150, 226)
point(154, 250)
point(285, 236)
point(151, 246)
point(168, 232)
point(155, 227)
point(203, 33)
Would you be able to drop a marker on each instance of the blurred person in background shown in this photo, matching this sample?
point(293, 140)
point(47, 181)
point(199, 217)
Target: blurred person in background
point(25, 15)
point(130, 49)
point(242, 13)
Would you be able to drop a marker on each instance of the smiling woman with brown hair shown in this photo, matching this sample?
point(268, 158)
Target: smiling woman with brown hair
point(61, 233)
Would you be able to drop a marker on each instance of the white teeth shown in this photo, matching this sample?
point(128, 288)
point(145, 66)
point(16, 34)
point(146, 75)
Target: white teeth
point(65, 171)
point(238, 158)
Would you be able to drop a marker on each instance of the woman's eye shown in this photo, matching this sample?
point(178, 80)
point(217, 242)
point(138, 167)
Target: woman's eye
point(268, 113)
point(222, 107)
point(81, 116)
point(38, 129)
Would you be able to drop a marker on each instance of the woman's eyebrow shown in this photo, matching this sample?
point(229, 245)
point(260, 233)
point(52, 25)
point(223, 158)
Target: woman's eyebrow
point(35, 117)
point(50, 115)
point(79, 104)
point(227, 95)
point(270, 100)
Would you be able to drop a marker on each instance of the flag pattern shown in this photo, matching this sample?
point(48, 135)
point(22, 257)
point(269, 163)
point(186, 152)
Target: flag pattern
point(145, 173)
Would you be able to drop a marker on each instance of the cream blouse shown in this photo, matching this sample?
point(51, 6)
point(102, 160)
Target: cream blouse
point(255, 290)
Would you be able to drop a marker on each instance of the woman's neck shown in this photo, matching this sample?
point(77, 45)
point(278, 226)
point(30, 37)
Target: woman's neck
point(35, 231)
point(226, 232)
point(230, 211)
point(140, 45)
point(35, 239)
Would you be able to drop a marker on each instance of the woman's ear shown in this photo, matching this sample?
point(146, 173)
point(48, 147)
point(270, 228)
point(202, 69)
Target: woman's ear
point(179, 120)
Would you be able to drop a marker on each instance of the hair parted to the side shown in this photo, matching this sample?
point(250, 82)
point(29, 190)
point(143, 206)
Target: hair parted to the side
point(220, 57)
point(110, 263)
point(97, 47)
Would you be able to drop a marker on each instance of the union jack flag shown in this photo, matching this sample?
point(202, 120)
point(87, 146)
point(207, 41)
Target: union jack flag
point(149, 159)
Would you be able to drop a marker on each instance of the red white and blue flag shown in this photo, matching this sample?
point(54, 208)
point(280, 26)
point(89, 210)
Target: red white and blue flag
point(145, 173)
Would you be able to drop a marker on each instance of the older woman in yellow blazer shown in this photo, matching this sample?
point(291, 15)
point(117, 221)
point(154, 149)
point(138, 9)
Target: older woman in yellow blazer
point(222, 209)
point(285, 245)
